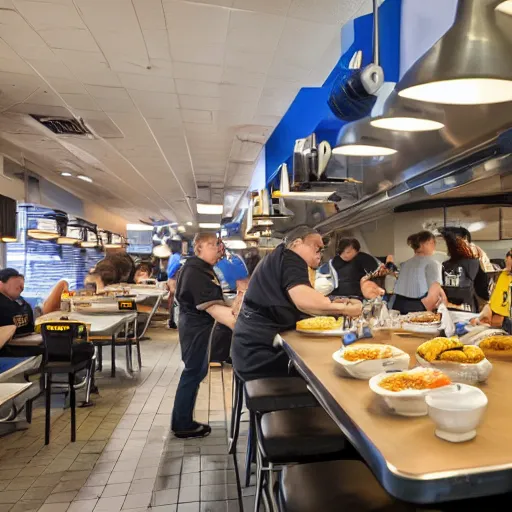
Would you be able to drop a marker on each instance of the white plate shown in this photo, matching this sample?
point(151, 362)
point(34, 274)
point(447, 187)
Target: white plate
point(367, 369)
point(432, 328)
point(332, 332)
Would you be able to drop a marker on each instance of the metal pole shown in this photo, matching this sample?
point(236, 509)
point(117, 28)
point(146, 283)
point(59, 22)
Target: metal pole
point(376, 51)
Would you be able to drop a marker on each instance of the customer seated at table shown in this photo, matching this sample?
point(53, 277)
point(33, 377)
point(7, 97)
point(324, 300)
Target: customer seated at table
point(142, 273)
point(497, 313)
point(15, 310)
point(469, 281)
point(346, 274)
point(113, 269)
point(419, 284)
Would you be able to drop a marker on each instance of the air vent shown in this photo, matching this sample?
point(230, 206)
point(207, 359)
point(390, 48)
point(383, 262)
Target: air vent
point(63, 125)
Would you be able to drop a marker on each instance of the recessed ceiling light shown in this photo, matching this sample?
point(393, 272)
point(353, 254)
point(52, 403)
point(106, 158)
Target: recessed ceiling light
point(84, 178)
point(407, 124)
point(210, 209)
point(66, 174)
point(139, 227)
point(505, 7)
point(181, 229)
point(190, 223)
point(363, 150)
point(209, 225)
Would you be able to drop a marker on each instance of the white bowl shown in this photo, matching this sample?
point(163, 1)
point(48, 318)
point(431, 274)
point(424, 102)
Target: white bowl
point(410, 402)
point(457, 411)
point(369, 368)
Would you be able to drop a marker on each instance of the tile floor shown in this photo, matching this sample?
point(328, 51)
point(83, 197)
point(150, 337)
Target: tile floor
point(124, 458)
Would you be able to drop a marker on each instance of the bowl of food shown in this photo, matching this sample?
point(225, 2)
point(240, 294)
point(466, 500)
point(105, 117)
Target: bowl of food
point(424, 322)
point(365, 360)
point(495, 345)
point(404, 392)
point(457, 411)
point(462, 363)
point(322, 326)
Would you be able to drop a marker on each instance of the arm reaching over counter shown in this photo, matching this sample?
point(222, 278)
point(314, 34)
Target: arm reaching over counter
point(311, 302)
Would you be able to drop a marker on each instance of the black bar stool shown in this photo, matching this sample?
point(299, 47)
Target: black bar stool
point(294, 436)
point(335, 486)
point(264, 395)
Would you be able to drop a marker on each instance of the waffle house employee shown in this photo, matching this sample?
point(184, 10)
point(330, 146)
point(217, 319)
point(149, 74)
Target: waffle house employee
point(279, 294)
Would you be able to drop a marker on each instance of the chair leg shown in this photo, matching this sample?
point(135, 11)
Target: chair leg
point(236, 415)
point(28, 411)
point(72, 405)
point(48, 404)
point(100, 358)
point(113, 357)
point(251, 448)
point(259, 485)
point(139, 356)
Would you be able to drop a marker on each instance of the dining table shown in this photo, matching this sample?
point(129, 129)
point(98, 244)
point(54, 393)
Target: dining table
point(409, 461)
point(103, 328)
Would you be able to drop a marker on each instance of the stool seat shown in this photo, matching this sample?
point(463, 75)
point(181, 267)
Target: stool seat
point(299, 435)
point(277, 393)
point(335, 486)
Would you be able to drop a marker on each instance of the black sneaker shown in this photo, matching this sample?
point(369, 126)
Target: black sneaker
point(199, 430)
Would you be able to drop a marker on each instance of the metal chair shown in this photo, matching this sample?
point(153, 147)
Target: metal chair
point(62, 356)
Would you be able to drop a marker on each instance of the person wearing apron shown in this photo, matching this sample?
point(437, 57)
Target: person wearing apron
point(200, 300)
point(280, 294)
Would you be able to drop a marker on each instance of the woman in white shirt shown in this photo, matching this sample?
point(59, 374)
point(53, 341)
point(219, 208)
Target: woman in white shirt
point(419, 284)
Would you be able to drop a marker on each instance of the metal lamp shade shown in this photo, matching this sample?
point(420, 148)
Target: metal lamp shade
point(361, 139)
point(401, 114)
point(471, 64)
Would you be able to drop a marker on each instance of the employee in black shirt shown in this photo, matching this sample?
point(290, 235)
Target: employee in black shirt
point(280, 294)
point(346, 274)
point(201, 303)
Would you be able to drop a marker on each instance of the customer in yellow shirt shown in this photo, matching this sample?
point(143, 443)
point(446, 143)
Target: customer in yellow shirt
point(497, 312)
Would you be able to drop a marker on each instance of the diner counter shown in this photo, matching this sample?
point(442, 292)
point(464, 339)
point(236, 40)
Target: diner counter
point(408, 459)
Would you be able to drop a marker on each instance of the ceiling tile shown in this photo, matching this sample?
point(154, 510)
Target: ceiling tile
point(331, 12)
point(279, 7)
point(50, 69)
point(210, 24)
point(42, 15)
point(196, 116)
point(156, 105)
point(197, 88)
point(199, 102)
point(80, 101)
point(210, 53)
point(190, 71)
point(246, 29)
point(220, 3)
point(248, 61)
point(147, 82)
point(150, 14)
point(157, 43)
point(239, 76)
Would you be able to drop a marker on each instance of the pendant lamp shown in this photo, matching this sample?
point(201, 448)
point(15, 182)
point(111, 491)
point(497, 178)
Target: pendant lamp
point(361, 139)
point(403, 115)
point(470, 65)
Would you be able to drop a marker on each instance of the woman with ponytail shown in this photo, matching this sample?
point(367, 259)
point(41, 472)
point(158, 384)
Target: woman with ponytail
point(419, 284)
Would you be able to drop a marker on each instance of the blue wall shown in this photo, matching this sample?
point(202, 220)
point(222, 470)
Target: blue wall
point(309, 111)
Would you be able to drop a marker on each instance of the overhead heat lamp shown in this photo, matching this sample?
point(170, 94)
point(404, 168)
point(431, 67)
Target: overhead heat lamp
point(360, 139)
point(470, 65)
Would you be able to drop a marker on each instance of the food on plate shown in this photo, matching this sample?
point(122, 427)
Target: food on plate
point(417, 380)
point(431, 350)
point(320, 323)
point(425, 318)
point(496, 343)
point(469, 354)
point(367, 352)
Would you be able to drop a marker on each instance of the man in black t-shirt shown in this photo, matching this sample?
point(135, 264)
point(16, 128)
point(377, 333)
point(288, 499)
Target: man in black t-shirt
point(280, 294)
point(201, 303)
point(14, 310)
point(348, 270)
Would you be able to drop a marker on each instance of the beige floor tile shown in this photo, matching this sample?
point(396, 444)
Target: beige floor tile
point(82, 506)
point(121, 477)
point(61, 497)
point(137, 500)
point(90, 493)
point(54, 507)
point(112, 490)
point(113, 504)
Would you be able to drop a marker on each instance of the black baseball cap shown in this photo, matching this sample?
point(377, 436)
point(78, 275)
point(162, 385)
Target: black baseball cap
point(7, 273)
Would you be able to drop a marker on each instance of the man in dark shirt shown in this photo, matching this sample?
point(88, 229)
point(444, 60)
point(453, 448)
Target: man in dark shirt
point(349, 268)
point(14, 310)
point(201, 303)
point(280, 294)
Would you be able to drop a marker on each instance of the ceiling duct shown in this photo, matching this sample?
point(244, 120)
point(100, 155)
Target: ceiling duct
point(63, 125)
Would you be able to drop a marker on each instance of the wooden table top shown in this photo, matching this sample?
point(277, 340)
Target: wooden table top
point(409, 445)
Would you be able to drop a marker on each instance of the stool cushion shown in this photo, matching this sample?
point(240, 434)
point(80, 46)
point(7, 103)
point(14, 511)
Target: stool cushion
point(299, 435)
point(335, 486)
point(277, 393)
